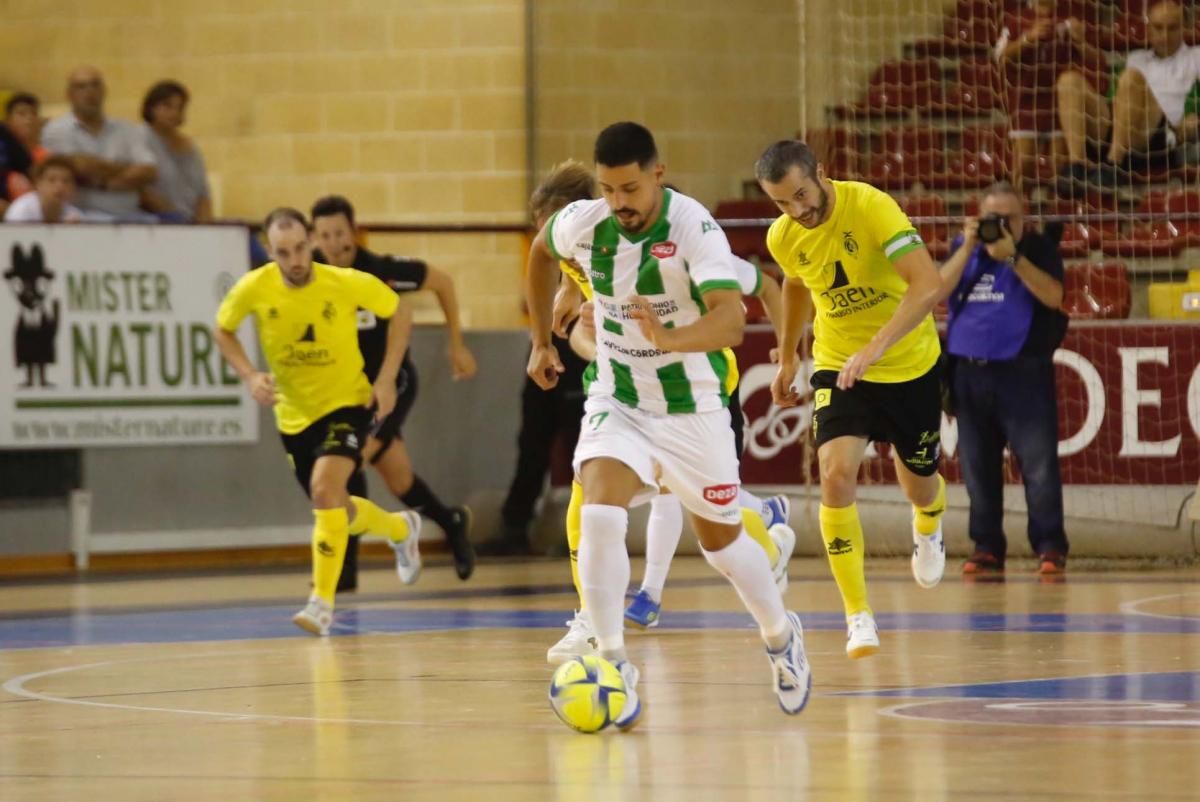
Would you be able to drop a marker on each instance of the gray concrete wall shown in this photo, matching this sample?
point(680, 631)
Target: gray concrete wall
point(462, 437)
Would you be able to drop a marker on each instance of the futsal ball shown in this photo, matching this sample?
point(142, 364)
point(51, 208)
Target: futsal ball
point(587, 693)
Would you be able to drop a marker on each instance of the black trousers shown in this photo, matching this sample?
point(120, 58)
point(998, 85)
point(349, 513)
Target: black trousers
point(545, 416)
point(1013, 403)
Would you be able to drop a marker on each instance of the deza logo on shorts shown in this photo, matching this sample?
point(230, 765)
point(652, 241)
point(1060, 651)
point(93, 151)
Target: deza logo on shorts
point(721, 494)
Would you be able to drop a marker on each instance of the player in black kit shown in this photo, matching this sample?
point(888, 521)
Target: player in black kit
point(334, 230)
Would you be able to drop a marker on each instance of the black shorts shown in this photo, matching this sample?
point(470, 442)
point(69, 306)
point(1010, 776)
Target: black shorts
point(341, 433)
point(737, 420)
point(906, 414)
point(392, 427)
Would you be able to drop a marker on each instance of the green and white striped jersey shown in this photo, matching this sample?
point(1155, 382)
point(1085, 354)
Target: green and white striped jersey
point(683, 255)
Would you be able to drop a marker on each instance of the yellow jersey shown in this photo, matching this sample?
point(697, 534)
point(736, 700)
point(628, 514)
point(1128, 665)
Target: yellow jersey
point(846, 263)
point(309, 336)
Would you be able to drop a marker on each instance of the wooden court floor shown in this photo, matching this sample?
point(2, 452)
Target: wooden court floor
point(200, 688)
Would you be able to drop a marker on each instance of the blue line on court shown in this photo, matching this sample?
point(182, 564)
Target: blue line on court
point(273, 621)
point(1173, 686)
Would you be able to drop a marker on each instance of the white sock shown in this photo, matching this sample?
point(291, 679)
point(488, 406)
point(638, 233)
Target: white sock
point(604, 573)
point(662, 538)
point(745, 564)
point(752, 502)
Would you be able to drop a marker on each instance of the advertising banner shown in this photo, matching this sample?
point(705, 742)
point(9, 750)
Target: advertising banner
point(106, 336)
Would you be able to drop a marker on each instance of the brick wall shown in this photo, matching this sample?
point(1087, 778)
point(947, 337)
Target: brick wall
point(415, 109)
point(715, 81)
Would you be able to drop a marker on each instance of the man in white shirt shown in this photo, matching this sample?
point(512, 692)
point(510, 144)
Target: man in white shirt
point(1149, 105)
point(1148, 113)
point(50, 202)
point(111, 157)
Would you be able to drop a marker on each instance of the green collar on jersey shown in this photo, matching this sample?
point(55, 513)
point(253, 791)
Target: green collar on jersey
point(658, 230)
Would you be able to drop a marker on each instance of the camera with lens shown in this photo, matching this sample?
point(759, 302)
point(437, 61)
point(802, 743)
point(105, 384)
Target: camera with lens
point(992, 228)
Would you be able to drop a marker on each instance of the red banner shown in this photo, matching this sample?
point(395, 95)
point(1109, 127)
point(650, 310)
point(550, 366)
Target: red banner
point(1129, 411)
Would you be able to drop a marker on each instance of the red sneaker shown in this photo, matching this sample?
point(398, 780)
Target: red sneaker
point(1052, 562)
point(981, 562)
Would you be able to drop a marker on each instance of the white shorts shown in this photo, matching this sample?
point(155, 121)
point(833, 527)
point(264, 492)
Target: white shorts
point(692, 454)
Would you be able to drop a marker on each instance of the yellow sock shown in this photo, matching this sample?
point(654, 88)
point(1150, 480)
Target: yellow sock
point(926, 519)
point(843, 535)
point(373, 519)
point(756, 528)
point(331, 531)
point(574, 533)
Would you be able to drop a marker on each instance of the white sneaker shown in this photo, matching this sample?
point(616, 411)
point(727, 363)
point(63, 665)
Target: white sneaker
point(785, 540)
point(790, 672)
point(316, 617)
point(928, 557)
point(408, 551)
point(579, 641)
point(632, 712)
point(862, 637)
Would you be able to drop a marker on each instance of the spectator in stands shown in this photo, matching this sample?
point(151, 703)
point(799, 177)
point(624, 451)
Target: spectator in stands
point(54, 185)
point(1150, 113)
point(1003, 284)
point(20, 148)
point(112, 160)
point(1037, 51)
point(180, 193)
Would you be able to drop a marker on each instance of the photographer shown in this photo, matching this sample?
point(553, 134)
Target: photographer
point(1003, 285)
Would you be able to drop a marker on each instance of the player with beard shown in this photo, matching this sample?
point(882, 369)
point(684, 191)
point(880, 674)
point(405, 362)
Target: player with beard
point(847, 248)
point(335, 234)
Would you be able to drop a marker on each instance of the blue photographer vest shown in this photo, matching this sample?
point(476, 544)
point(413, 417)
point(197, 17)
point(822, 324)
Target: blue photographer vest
point(991, 309)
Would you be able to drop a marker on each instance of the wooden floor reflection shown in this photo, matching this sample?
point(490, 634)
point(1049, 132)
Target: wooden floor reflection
point(200, 688)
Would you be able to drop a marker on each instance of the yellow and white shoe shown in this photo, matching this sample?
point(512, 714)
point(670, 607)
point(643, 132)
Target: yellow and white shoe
point(862, 636)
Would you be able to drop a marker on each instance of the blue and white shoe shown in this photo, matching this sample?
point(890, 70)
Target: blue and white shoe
point(776, 510)
point(643, 611)
point(790, 672)
point(785, 541)
point(408, 551)
point(632, 712)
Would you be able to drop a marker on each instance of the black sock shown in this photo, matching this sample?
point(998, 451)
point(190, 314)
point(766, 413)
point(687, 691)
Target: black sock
point(420, 498)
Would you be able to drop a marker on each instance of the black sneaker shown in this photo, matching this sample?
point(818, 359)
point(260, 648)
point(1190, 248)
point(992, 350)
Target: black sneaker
point(1073, 180)
point(1109, 178)
point(458, 534)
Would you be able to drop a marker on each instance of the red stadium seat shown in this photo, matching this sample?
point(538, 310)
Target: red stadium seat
point(1157, 238)
point(746, 209)
point(935, 235)
point(899, 88)
point(975, 93)
point(747, 241)
point(972, 29)
point(1097, 291)
point(836, 149)
point(1079, 237)
point(983, 158)
point(908, 155)
point(1182, 202)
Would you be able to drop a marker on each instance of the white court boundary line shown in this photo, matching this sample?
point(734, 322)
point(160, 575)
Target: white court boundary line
point(16, 687)
point(1131, 607)
point(897, 712)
